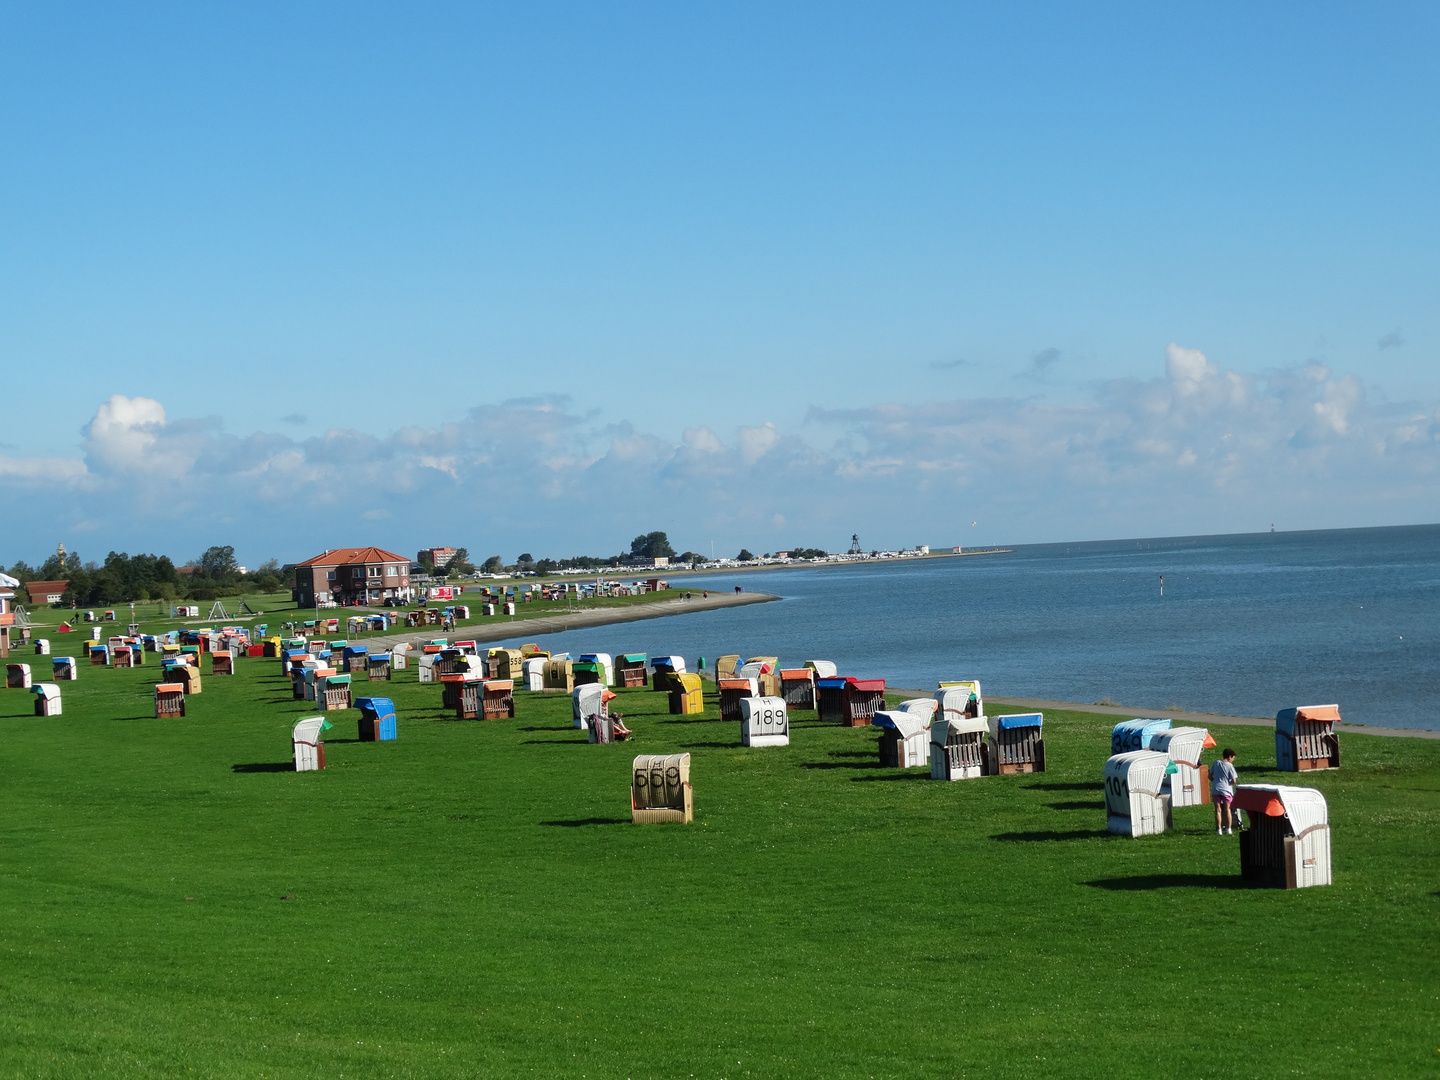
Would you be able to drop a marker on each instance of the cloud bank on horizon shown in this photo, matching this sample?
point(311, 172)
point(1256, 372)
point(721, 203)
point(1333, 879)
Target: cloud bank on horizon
point(1195, 449)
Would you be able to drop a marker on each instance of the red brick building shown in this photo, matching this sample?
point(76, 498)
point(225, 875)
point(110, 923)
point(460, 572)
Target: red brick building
point(359, 575)
point(45, 592)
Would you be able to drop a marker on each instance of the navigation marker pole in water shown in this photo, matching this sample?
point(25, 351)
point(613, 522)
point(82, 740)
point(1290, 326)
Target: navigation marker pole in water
point(1162, 584)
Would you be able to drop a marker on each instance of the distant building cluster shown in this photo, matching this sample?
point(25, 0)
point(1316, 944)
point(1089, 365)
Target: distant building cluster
point(440, 557)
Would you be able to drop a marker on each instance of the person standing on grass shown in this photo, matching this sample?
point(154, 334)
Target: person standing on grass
point(1222, 791)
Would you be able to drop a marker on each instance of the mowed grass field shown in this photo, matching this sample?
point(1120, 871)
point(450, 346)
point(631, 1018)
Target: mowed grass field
point(472, 900)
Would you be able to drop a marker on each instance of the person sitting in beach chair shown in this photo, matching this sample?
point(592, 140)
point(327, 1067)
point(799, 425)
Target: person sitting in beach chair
point(619, 730)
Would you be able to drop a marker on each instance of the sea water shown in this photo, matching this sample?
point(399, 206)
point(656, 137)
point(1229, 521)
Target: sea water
point(1246, 625)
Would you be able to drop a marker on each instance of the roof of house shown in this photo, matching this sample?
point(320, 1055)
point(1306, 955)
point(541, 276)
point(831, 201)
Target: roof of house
point(346, 556)
point(44, 588)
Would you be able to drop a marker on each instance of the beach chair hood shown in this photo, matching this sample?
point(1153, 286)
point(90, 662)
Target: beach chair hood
point(908, 725)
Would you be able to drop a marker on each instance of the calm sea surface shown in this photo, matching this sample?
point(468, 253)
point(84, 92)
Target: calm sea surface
point(1247, 624)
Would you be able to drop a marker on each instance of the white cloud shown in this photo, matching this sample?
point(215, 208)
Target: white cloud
point(1199, 448)
point(41, 470)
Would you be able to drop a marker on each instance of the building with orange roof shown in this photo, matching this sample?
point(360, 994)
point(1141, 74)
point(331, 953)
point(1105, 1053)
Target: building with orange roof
point(357, 575)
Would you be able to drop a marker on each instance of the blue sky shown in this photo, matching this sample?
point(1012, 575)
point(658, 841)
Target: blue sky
point(543, 277)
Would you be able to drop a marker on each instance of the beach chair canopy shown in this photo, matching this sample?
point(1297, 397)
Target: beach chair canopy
point(379, 707)
point(907, 724)
point(1134, 734)
point(953, 701)
point(1141, 771)
point(752, 685)
point(1182, 744)
point(1019, 720)
point(47, 690)
point(308, 730)
point(1288, 720)
point(942, 728)
point(589, 700)
point(823, 669)
point(924, 708)
point(1305, 807)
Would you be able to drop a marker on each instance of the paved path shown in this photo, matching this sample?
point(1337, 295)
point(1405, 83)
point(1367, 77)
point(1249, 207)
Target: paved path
point(554, 624)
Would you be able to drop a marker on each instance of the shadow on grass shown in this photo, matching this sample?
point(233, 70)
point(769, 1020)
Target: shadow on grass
point(1095, 804)
point(1063, 787)
point(1146, 882)
point(841, 765)
point(713, 745)
point(264, 766)
point(908, 774)
point(580, 823)
point(697, 720)
point(554, 742)
point(1045, 835)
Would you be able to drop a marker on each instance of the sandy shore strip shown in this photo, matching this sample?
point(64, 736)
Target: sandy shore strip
point(1181, 717)
point(576, 620)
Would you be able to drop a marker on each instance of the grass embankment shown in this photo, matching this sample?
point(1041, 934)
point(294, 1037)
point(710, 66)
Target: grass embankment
point(472, 900)
point(279, 609)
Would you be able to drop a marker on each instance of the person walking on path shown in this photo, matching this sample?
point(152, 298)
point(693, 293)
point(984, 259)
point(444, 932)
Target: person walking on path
point(1222, 791)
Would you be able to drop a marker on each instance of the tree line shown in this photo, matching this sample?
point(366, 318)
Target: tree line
point(122, 577)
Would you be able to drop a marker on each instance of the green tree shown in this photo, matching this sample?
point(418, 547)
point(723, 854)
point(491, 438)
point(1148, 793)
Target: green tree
point(22, 572)
point(653, 545)
point(218, 563)
point(745, 555)
point(493, 565)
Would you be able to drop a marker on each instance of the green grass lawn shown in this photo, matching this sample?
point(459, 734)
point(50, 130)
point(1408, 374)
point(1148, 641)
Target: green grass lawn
point(278, 609)
point(472, 900)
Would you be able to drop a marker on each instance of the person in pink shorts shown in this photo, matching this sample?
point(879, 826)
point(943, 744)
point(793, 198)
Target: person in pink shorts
point(1222, 791)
